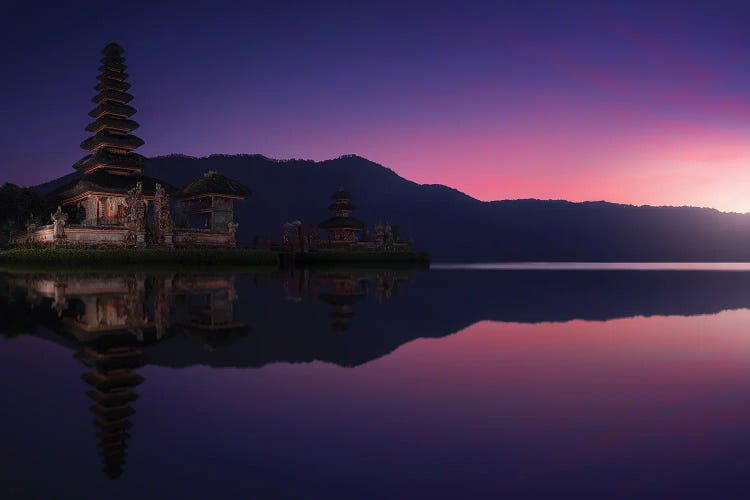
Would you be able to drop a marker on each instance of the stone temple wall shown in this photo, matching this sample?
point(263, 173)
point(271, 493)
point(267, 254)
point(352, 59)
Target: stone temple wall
point(191, 238)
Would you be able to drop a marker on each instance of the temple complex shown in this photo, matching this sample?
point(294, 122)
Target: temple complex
point(347, 235)
point(343, 228)
point(113, 203)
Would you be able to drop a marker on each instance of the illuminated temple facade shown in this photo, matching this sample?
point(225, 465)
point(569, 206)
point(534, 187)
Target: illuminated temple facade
point(113, 204)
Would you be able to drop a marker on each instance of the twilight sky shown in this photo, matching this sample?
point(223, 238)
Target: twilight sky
point(635, 102)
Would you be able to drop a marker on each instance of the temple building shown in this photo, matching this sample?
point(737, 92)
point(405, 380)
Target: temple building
point(343, 228)
point(111, 200)
point(206, 208)
point(113, 203)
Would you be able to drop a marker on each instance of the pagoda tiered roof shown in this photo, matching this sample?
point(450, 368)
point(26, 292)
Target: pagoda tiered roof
point(106, 138)
point(112, 95)
point(108, 76)
point(344, 205)
point(112, 108)
point(112, 122)
point(101, 181)
point(112, 142)
point(342, 222)
point(112, 85)
point(103, 158)
point(339, 221)
point(341, 194)
point(113, 64)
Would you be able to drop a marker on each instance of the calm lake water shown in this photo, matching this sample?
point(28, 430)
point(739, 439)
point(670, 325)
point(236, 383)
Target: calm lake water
point(514, 382)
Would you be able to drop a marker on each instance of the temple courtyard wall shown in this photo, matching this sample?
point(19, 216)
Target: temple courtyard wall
point(118, 236)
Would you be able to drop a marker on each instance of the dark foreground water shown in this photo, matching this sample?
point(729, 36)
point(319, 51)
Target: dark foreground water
point(452, 383)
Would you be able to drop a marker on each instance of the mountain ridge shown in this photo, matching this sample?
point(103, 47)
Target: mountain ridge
point(452, 225)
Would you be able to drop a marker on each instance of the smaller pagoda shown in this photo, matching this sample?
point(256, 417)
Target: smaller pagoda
point(205, 210)
point(342, 227)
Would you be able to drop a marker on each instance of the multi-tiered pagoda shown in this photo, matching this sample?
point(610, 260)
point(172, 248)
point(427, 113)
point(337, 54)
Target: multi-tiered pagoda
point(112, 168)
point(343, 227)
point(113, 203)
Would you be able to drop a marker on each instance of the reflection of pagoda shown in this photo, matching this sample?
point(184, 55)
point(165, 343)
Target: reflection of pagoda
point(346, 292)
point(342, 226)
point(112, 359)
point(113, 318)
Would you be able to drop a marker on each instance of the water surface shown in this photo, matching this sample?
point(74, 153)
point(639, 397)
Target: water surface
point(515, 382)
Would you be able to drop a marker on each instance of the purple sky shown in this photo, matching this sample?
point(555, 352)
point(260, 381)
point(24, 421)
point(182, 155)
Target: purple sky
point(636, 102)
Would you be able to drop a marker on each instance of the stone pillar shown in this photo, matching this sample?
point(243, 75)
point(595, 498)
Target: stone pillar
point(232, 227)
point(163, 224)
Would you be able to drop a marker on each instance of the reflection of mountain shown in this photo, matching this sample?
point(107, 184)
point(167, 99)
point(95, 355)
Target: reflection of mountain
point(346, 317)
point(437, 304)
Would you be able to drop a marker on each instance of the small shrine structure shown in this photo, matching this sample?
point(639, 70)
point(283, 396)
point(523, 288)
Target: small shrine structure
point(206, 208)
point(342, 227)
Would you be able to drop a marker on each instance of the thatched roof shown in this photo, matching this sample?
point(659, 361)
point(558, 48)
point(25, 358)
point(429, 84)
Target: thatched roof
point(104, 157)
point(213, 183)
point(341, 206)
point(342, 223)
point(112, 49)
point(341, 194)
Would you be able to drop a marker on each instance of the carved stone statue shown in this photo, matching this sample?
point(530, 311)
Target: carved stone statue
point(388, 235)
point(59, 219)
point(379, 236)
point(135, 216)
point(313, 237)
point(163, 223)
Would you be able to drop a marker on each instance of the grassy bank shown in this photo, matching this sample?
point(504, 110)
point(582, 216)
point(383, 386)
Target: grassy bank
point(137, 257)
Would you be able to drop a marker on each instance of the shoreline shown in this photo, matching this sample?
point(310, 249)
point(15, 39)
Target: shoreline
point(206, 258)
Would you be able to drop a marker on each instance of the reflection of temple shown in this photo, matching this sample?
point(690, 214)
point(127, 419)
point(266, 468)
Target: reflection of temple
point(113, 203)
point(346, 291)
point(204, 310)
point(113, 318)
point(342, 289)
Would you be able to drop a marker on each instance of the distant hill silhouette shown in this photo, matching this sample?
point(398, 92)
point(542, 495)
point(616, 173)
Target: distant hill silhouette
point(453, 226)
